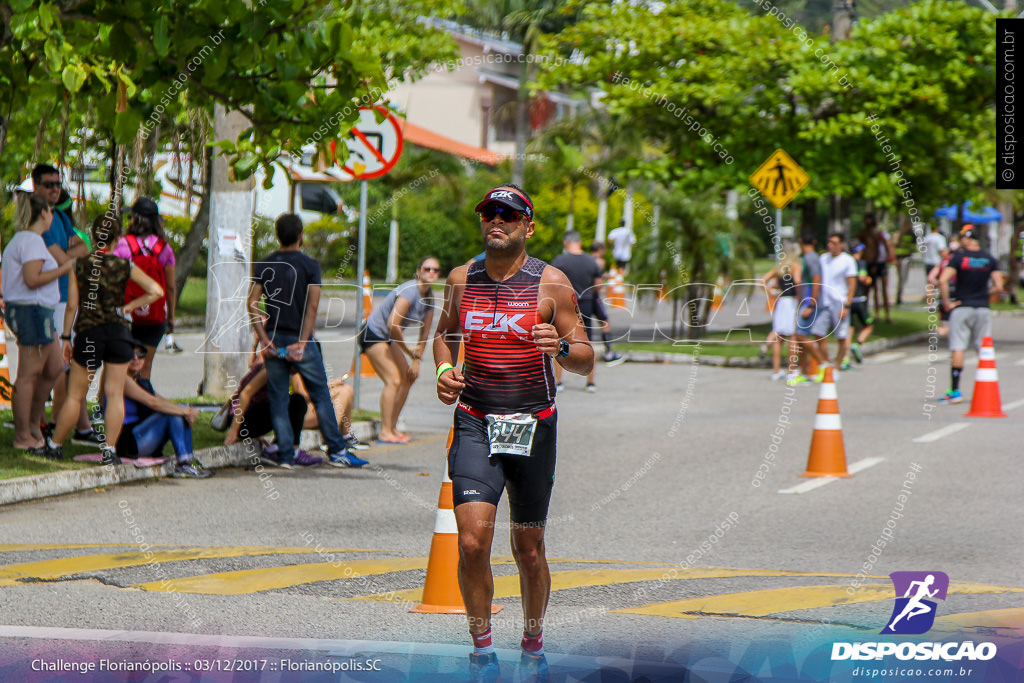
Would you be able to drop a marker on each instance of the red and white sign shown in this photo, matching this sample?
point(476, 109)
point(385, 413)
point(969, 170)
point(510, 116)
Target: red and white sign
point(373, 148)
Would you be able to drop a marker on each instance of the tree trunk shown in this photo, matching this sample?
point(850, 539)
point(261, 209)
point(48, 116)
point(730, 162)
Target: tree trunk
point(196, 234)
point(602, 209)
point(808, 217)
point(522, 125)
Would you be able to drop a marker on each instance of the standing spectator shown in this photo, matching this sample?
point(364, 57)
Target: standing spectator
point(150, 421)
point(146, 246)
point(290, 282)
point(905, 247)
point(584, 275)
point(597, 250)
point(838, 284)
point(31, 294)
point(622, 239)
point(383, 341)
point(64, 243)
point(810, 276)
point(970, 319)
point(859, 314)
point(97, 310)
point(877, 254)
point(934, 244)
point(786, 275)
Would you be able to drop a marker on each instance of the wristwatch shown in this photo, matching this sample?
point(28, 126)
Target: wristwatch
point(563, 349)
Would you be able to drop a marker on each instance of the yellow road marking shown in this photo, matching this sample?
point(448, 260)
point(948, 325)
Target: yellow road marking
point(761, 603)
point(268, 578)
point(508, 586)
point(1011, 619)
point(69, 566)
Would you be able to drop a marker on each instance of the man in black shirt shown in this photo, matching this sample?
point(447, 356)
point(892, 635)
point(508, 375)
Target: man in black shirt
point(290, 281)
point(969, 316)
point(585, 277)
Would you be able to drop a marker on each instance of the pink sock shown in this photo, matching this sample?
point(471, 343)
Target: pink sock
point(534, 644)
point(482, 642)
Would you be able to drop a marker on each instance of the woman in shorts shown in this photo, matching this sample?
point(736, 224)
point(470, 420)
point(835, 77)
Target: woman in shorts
point(786, 278)
point(383, 341)
point(102, 336)
point(31, 294)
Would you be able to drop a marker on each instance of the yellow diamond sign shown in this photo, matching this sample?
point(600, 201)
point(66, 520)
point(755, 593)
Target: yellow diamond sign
point(779, 179)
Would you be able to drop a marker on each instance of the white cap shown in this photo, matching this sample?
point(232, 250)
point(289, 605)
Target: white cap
point(26, 186)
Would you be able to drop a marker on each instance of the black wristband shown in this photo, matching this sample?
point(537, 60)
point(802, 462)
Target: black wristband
point(66, 337)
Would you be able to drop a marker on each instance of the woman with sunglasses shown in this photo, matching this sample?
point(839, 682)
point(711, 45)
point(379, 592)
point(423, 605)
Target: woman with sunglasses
point(382, 339)
point(30, 276)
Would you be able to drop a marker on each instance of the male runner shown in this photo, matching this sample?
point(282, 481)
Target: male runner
point(517, 317)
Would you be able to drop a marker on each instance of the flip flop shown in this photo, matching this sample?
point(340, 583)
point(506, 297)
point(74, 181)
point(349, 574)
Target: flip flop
point(393, 443)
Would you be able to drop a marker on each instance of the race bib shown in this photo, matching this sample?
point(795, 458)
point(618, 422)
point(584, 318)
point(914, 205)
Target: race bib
point(511, 434)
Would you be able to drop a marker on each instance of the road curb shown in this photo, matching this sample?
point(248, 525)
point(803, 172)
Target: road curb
point(37, 486)
point(867, 349)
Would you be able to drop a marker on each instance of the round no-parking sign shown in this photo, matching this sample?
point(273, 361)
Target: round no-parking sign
point(373, 147)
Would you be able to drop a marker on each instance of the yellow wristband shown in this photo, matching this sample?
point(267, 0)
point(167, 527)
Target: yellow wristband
point(443, 368)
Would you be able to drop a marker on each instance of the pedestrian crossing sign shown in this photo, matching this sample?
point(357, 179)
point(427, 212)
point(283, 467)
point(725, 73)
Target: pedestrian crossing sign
point(779, 179)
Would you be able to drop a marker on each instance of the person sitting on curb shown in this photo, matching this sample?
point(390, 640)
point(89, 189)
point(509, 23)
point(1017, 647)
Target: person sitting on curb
point(150, 421)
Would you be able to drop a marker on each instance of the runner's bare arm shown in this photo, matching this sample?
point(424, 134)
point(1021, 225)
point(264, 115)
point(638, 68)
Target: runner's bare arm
point(449, 336)
point(558, 304)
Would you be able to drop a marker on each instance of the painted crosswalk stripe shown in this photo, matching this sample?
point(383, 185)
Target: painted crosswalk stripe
point(10, 574)
point(888, 356)
point(1015, 404)
point(854, 468)
point(939, 433)
point(762, 603)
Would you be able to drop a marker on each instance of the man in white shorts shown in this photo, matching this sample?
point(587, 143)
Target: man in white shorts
point(838, 283)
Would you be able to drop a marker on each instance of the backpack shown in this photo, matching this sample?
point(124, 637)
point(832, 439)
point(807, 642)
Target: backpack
point(147, 260)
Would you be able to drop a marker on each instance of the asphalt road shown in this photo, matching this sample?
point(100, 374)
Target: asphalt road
point(662, 459)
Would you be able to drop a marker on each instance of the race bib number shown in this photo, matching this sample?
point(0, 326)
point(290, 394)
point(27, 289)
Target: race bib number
point(511, 434)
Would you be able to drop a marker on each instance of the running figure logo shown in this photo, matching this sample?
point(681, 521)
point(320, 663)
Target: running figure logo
point(913, 613)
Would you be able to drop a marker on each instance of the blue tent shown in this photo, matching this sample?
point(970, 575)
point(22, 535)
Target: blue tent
point(986, 215)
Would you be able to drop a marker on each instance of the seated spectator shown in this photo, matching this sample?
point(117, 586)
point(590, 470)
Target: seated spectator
point(251, 416)
point(150, 421)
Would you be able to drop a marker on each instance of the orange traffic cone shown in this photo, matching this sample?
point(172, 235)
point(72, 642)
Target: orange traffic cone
point(365, 366)
point(441, 594)
point(719, 294)
point(5, 370)
point(986, 402)
point(828, 455)
point(616, 290)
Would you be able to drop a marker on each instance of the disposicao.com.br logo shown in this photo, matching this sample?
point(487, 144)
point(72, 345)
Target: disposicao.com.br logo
point(914, 614)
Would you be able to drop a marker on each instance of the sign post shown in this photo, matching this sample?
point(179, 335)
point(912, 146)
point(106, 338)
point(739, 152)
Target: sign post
point(373, 150)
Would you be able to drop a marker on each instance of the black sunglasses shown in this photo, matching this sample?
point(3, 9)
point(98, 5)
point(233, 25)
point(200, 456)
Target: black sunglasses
point(141, 356)
point(51, 184)
point(507, 214)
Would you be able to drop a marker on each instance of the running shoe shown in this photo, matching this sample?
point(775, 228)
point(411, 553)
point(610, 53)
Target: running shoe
point(191, 469)
point(797, 380)
point(820, 377)
point(484, 668)
point(611, 358)
point(857, 355)
point(355, 444)
point(110, 457)
point(304, 459)
point(591, 388)
point(533, 668)
point(558, 387)
point(345, 459)
point(952, 397)
point(171, 347)
point(778, 375)
point(88, 438)
point(845, 366)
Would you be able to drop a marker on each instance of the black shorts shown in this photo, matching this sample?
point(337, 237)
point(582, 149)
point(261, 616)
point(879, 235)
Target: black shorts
point(150, 335)
point(877, 270)
point(110, 343)
point(592, 323)
point(599, 311)
point(477, 477)
point(368, 338)
point(859, 314)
